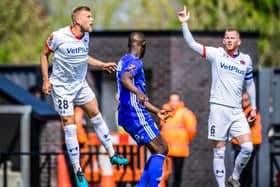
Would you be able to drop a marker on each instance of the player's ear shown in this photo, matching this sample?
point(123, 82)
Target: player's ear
point(224, 42)
point(144, 43)
point(78, 20)
point(239, 42)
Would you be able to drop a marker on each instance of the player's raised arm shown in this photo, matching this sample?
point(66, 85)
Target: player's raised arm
point(183, 17)
point(106, 66)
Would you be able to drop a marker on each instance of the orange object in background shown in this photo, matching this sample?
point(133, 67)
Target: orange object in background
point(107, 181)
point(179, 130)
point(167, 170)
point(124, 146)
point(107, 173)
point(63, 177)
point(79, 119)
point(256, 128)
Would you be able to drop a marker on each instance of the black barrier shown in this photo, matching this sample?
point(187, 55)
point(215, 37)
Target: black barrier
point(47, 163)
point(6, 156)
point(274, 140)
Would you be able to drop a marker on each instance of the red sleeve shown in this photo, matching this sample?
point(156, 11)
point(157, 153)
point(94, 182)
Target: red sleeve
point(204, 52)
point(47, 46)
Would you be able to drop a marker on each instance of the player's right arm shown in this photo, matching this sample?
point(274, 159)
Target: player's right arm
point(126, 81)
point(46, 87)
point(183, 17)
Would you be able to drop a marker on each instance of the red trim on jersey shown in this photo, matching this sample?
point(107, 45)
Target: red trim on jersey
point(229, 54)
point(204, 52)
point(76, 36)
point(232, 55)
point(46, 44)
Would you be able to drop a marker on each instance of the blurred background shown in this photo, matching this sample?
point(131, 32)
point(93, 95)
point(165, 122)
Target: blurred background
point(29, 126)
point(23, 30)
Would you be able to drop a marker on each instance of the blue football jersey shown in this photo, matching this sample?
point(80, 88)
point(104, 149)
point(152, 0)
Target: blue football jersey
point(133, 116)
point(128, 102)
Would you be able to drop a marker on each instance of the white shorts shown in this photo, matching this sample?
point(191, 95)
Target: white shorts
point(226, 122)
point(66, 96)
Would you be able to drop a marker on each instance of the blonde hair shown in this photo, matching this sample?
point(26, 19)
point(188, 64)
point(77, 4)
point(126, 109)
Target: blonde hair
point(78, 9)
point(233, 30)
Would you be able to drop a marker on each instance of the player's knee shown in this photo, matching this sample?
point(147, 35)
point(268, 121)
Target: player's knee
point(247, 148)
point(165, 150)
point(98, 119)
point(219, 153)
point(158, 146)
point(67, 120)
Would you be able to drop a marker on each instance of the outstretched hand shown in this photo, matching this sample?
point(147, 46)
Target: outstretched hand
point(110, 67)
point(184, 15)
point(164, 114)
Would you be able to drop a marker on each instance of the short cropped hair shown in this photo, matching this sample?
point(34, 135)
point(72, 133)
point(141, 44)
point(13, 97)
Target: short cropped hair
point(233, 30)
point(134, 38)
point(78, 9)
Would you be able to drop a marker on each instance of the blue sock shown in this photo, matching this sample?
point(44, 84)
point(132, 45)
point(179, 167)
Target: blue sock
point(153, 171)
point(156, 169)
point(144, 180)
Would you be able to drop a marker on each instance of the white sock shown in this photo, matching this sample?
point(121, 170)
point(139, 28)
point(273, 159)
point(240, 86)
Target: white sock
point(242, 159)
point(72, 145)
point(219, 165)
point(102, 131)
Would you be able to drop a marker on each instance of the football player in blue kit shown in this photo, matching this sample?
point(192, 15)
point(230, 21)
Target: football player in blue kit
point(134, 108)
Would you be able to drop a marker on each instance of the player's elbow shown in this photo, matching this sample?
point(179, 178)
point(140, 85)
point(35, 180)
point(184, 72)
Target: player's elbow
point(250, 84)
point(123, 80)
point(126, 78)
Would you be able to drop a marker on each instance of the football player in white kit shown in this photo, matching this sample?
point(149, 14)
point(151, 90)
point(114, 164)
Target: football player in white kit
point(68, 86)
point(231, 69)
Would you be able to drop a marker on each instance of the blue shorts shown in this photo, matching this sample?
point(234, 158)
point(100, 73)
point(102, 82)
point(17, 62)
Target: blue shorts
point(140, 126)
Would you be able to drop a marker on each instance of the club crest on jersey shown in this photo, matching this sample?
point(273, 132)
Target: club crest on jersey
point(242, 62)
point(131, 67)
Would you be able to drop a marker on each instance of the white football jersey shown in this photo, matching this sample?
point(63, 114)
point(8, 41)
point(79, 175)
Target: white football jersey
point(228, 75)
point(70, 60)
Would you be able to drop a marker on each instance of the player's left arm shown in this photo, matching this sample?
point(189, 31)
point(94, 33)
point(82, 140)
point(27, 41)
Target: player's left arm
point(251, 90)
point(107, 66)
